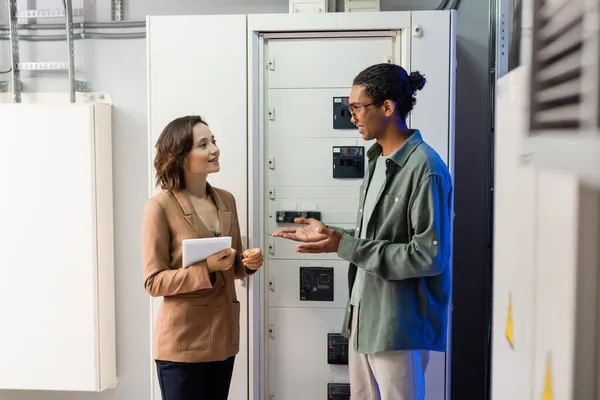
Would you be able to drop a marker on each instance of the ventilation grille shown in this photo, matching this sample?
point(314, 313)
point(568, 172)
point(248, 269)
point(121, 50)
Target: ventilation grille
point(557, 65)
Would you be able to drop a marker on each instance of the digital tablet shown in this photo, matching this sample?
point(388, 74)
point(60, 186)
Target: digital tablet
point(197, 250)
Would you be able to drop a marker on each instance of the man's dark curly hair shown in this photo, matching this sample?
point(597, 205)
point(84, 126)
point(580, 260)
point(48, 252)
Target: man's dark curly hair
point(391, 82)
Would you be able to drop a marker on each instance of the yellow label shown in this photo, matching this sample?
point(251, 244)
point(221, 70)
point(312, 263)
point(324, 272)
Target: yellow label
point(509, 323)
point(548, 382)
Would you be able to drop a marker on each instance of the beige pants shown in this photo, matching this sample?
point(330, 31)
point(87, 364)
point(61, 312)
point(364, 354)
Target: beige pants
point(393, 375)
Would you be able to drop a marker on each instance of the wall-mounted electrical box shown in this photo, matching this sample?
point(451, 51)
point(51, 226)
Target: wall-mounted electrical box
point(342, 119)
point(287, 217)
point(348, 162)
point(66, 295)
point(337, 349)
point(361, 5)
point(316, 283)
point(338, 391)
point(308, 6)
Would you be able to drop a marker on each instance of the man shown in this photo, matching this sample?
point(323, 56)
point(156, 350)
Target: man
point(399, 275)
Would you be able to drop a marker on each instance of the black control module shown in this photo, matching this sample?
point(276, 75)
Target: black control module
point(342, 119)
point(338, 391)
point(316, 283)
point(287, 217)
point(348, 162)
point(337, 349)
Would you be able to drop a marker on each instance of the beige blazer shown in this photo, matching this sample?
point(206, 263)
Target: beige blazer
point(198, 320)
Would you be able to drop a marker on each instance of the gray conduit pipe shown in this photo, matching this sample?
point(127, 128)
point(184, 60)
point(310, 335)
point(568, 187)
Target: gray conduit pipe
point(81, 25)
point(87, 35)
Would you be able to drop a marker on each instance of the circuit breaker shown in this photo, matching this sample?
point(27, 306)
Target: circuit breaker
point(348, 162)
point(338, 391)
point(342, 119)
point(316, 283)
point(287, 217)
point(337, 349)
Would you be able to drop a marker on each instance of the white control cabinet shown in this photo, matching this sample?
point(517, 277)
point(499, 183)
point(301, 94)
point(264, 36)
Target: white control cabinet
point(266, 84)
point(546, 262)
point(210, 82)
point(56, 245)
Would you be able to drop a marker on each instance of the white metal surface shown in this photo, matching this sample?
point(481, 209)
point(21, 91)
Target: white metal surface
point(555, 299)
point(301, 74)
point(433, 55)
point(514, 245)
point(328, 22)
point(298, 352)
point(315, 173)
point(566, 287)
point(57, 286)
point(211, 83)
point(563, 152)
point(304, 63)
point(308, 6)
point(361, 5)
point(290, 105)
point(546, 246)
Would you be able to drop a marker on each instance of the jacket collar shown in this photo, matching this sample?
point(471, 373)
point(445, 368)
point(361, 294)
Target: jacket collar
point(401, 155)
point(194, 220)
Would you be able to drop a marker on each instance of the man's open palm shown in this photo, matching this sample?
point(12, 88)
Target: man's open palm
point(311, 232)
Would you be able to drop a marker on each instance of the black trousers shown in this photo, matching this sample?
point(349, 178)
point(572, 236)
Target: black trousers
point(195, 381)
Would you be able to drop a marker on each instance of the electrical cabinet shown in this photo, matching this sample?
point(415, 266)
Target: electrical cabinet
point(183, 82)
point(514, 246)
point(545, 328)
point(301, 68)
point(315, 159)
point(57, 267)
point(304, 158)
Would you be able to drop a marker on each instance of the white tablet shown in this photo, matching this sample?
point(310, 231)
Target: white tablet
point(197, 250)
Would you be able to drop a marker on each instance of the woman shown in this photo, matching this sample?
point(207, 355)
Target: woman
point(196, 335)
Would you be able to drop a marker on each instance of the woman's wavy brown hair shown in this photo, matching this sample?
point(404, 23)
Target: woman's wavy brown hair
point(174, 143)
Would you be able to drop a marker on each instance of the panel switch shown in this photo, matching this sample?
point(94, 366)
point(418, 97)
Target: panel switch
point(337, 349)
point(287, 217)
point(342, 119)
point(338, 391)
point(316, 283)
point(348, 162)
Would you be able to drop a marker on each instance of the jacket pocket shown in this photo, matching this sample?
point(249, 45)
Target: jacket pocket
point(190, 327)
point(235, 323)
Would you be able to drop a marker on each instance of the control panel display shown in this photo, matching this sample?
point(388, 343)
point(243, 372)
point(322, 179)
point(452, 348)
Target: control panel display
point(338, 391)
point(342, 119)
point(337, 349)
point(316, 284)
point(348, 162)
point(287, 217)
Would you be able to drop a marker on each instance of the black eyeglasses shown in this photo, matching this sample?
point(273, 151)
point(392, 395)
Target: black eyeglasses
point(353, 109)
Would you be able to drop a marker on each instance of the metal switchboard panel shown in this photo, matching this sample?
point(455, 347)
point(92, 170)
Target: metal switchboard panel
point(311, 290)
